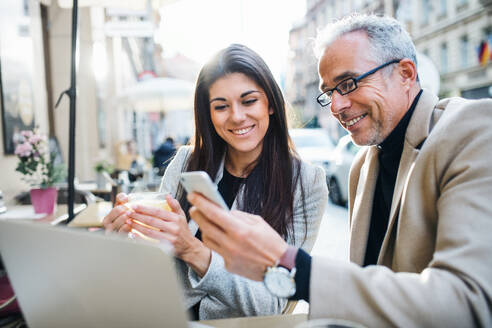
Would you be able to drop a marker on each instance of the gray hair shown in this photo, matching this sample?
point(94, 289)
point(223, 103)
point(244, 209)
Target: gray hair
point(388, 38)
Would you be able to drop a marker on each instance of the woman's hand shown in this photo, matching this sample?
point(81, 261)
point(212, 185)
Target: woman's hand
point(116, 219)
point(173, 227)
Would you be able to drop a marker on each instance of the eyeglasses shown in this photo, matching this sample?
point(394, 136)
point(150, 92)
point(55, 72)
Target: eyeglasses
point(348, 85)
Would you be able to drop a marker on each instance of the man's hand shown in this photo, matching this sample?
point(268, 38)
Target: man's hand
point(246, 242)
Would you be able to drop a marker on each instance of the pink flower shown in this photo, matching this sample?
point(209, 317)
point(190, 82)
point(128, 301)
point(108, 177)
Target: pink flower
point(35, 138)
point(23, 149)
point(26, 133)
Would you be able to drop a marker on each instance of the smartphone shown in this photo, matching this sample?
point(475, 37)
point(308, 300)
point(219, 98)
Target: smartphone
point(199, 181)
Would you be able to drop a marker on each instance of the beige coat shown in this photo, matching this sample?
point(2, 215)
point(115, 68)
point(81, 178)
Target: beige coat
point(436, 259)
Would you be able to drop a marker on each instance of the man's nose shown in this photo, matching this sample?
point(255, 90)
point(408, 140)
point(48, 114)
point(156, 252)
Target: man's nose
point(339, 103)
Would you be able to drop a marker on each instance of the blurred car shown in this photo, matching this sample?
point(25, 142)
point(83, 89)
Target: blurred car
point(338, 170)
point(313, 145)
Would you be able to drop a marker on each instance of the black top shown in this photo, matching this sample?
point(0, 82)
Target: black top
point(393, 147)
point(228, 188)
point(389, 161)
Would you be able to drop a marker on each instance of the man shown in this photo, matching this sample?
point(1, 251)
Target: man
point(419, 195)
point(163, 154)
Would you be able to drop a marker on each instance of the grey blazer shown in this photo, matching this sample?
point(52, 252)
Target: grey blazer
point(225, 295)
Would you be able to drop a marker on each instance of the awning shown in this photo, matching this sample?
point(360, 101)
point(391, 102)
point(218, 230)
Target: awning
point(159, 95)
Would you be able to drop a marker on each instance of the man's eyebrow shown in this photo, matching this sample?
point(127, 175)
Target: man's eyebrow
point(217, 99)
point(345, 75)
point(338, 78)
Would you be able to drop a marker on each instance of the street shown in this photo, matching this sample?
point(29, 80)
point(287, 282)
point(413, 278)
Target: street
point(333, 239)
point(333, 234)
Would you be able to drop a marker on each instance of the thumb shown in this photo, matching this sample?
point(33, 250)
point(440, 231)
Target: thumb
point(174, 204)
point(121, 198)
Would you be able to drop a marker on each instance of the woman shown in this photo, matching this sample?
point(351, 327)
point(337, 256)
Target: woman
point(241, 140)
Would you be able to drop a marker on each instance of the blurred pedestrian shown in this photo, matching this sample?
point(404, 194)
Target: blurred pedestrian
point(163, 154)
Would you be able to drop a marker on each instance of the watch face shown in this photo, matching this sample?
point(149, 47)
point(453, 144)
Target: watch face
point(279, 282)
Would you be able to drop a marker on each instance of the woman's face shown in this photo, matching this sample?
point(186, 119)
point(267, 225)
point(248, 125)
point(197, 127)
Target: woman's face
point(240, 114)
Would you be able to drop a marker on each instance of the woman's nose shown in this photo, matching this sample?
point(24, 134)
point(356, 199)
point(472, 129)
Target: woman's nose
point(237, 113)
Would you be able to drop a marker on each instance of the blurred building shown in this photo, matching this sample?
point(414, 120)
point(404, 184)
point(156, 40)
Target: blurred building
point(115, 50)
point(449, 32)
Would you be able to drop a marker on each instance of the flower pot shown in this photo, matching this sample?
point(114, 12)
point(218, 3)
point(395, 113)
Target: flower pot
point(44, 200)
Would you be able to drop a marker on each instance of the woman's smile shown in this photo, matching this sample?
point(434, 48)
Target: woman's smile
point(242, 131)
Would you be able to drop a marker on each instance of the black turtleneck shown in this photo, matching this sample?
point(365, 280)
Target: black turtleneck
point(390, 151)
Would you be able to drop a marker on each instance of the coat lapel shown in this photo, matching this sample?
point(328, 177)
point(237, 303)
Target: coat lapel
point(361, 217)
point(417, 131)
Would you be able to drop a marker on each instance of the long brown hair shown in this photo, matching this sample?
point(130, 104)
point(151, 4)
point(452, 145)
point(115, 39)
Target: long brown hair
point(269, 187)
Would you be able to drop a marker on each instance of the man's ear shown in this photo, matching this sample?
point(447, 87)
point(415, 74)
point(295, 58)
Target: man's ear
point(407, 71)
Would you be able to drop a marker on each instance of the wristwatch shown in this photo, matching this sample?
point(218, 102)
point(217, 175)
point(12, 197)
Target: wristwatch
point(279, 279)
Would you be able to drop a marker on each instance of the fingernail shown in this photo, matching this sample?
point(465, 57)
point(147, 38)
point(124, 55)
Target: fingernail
point(191, 197)
point(129, 213)
point(129, 222)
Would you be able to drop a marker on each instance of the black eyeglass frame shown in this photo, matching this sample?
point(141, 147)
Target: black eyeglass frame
point(355, 80)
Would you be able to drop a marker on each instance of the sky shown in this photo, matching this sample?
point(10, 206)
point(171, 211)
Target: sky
point(200, 28)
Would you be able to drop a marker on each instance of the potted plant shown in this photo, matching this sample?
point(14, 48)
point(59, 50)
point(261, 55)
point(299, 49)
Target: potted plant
point(102, 168)
point(39, 170)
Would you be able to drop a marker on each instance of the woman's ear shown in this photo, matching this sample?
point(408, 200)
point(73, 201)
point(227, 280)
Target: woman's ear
point(270, 110)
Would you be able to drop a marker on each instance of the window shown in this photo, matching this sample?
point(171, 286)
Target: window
point(443, 8)
point(424, 19)
point(464, 51)
point(488, 34)
point(461, 5)
point(444, 57)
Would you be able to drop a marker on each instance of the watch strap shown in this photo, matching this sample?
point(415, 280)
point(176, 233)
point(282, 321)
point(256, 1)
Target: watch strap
point(288, 259)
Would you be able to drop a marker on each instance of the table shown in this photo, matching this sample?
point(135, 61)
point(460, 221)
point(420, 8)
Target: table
point(104, 193)
point(274, 321)
point(16, 212)
point(92, 216)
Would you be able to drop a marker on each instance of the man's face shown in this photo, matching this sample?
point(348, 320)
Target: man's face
point(374, 109)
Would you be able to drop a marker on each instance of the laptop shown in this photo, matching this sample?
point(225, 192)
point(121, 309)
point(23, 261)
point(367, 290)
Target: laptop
point(72, 278)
